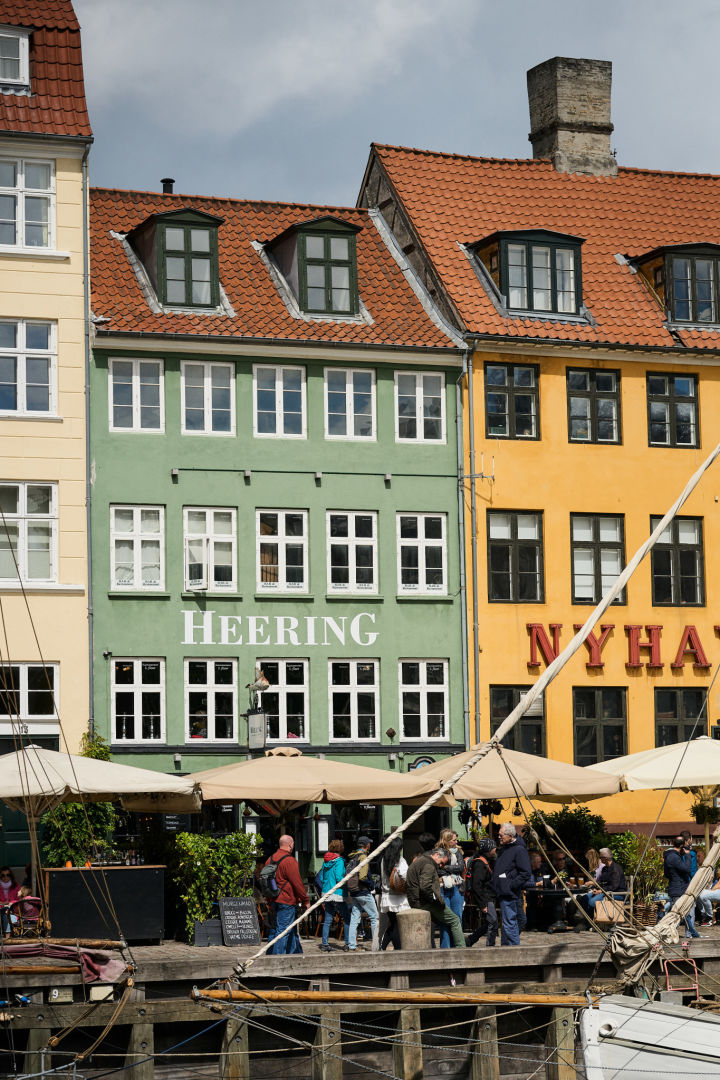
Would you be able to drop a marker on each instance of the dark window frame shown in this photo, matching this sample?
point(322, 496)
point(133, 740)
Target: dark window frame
point(511, 390)
point(554, 242)
point(599, 722)
point(514, 570)
point(683, 724)
point(673, 400)
point(328, 262)
point(597, 546)
point(592, 395)
point(676, 548)
point(513, 740)
point(187, 255)
point(693, 256)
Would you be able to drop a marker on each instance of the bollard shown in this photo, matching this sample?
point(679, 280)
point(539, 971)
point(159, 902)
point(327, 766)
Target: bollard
point(414, 927)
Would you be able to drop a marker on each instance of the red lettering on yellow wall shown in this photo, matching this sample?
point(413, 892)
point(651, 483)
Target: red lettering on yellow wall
point(595, 645)
point(690, 645)
point(538, 637)
point(635, 645)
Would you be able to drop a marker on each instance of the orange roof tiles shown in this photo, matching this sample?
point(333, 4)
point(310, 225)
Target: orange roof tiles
point(260, 312)
point(55, 104)
point(453, 200)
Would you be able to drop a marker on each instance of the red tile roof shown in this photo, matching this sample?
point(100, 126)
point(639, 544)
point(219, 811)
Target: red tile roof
point(453, 200)
point(56, 102)
point(260, 312)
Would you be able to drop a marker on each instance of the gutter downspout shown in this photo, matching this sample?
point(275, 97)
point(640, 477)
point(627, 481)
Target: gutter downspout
point(88, 462)
point(461, 537)
point(473, 538)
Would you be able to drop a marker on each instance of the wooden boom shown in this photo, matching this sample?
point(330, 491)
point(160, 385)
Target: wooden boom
point(418, 997)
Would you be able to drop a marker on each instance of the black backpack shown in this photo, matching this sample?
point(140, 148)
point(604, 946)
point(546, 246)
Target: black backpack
point(267, 881)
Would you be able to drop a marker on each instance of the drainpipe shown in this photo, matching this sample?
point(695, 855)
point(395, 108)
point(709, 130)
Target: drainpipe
point(88, 463)
point(461, 534)
point(474, 553)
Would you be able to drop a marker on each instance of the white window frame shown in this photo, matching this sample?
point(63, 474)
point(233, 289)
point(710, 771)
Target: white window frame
point(421, 543)
point(423, 688)
point(32, 723)
point(282, 541)
point(352, 543)
point(420, 376)
point(210, 687)
point(136, 688)
point(20, 192)
point(23, 38)
point(136, 361)
point(209, 538)
point(350, 374)
point(23, 522)
point(21, 354)
point(282, 690)
point(353, 688)
point(279, 372)
point(208, 368)
point(137, 536)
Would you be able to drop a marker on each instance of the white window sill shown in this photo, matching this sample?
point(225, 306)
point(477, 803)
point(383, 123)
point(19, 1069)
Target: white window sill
point(424, 596)
point(269, 594)
point(119, 743)
point(39, 587)
point(200, 740)
point(47, 418)
point(34, 253)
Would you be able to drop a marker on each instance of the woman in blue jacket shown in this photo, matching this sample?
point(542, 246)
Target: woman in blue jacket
point(332, 871)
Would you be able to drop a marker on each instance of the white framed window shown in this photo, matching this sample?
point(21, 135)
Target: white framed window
point(419, 406)
point(351, 552)
point(136, 395)
point(423, 699)
point(27, 203)
point(354, 700)
point(137, 546)
point(28, 368)
point(279, 401)
point(349, 403)
point(285, 702)
point(28, 532)
point(210, 700)
point(422, 554)
point(282, 551)
point(138, 699)
point(29, 695)
point(210, 549)
point(208, 394)
point(14, 58)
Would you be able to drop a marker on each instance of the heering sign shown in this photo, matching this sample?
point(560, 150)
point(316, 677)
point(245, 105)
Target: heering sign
point(209, 628)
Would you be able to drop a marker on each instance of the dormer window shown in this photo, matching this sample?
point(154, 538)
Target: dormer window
point(179, 252)
point(14, 58)
point(318, 260)
point(537, 272)
point(685, 280)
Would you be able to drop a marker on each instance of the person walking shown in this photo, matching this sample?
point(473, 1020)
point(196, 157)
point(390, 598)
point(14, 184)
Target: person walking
point(424, 891)
point(393, 893)
point(678, 871)
point(332, 871)
point(510, 876)
point(359, 896)
point(452, 880)
point(481, 890)
point(290, 894)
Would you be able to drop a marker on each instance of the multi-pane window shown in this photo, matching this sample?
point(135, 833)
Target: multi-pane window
point(210, 700)
point(679, 715)
point(280, 401)
point(423, 699)
point(136, 395)
point(672, 410)
point(541, 276)
point(27, 203)
point(593, 405)
point(27, 367)
point(421, 553)
point(677, 563)
point(208, 399)
point(349, 404)
point(352, 552)
point(419, 407)
point(189, 268)
point(137, 545)
point(600, 724)
point(694, 289)
point(282, 550)
point(528, 734)
point(328, 276)
point(285, 702)
point(511, 401)
point(210, 549)
point(28, 532)
point(515, 556)
point(354, 699)
point(14, 58)
point(28, 692)
point(597, 543)
point(138, 700)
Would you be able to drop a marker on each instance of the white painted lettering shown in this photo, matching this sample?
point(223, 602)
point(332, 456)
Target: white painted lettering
point(285, 627)
point(369, 637)
point(337, 629)
point(257, 634)
point(310, 630)
point(204, 626)
point(230, 629)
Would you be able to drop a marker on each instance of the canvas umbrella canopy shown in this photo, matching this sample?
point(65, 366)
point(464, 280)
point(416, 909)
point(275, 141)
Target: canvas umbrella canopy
point(285, 779)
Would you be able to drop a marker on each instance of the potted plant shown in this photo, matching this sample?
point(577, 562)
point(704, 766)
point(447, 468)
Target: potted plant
point(641, 859)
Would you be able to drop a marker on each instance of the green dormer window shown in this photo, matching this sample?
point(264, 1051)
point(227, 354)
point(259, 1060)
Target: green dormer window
point(536, 271)
point(179, 251)
point(318, 260)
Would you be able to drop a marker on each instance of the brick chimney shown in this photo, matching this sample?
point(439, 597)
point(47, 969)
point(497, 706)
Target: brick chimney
point(570, 114)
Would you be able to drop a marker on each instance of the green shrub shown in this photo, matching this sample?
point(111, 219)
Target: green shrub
point(207, 868)
point(628, 849)
point(575, 826)
point(74, 831)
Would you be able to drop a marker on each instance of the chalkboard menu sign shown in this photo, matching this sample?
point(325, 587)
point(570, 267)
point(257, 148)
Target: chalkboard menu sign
point(238, 915)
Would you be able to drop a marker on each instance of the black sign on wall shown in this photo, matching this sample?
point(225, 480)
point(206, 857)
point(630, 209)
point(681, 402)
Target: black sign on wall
point(238, 915)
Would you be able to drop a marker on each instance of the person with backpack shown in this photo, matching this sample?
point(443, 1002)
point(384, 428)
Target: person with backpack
point(359, 895)
point(393, 898)
point(332, 871)
point(281, 884)
point(479, 885)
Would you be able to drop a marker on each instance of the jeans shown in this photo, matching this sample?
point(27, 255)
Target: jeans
point(706, 899)
point(284, 915)
point(689, 920)
point(453, 900)
point(331, 909)
point(509, 929)
point(443, 916)
point(365, 902)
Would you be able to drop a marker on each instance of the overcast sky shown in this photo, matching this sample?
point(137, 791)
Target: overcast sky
point(280, 99)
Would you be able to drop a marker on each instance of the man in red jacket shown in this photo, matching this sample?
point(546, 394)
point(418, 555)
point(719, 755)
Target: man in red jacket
point(292, 893)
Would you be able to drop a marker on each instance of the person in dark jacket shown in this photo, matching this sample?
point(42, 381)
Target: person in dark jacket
point(424, 891)
point(481, 890)
point(678, 871)
point(511, 875)
point(611, 880)
point(359, 896)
